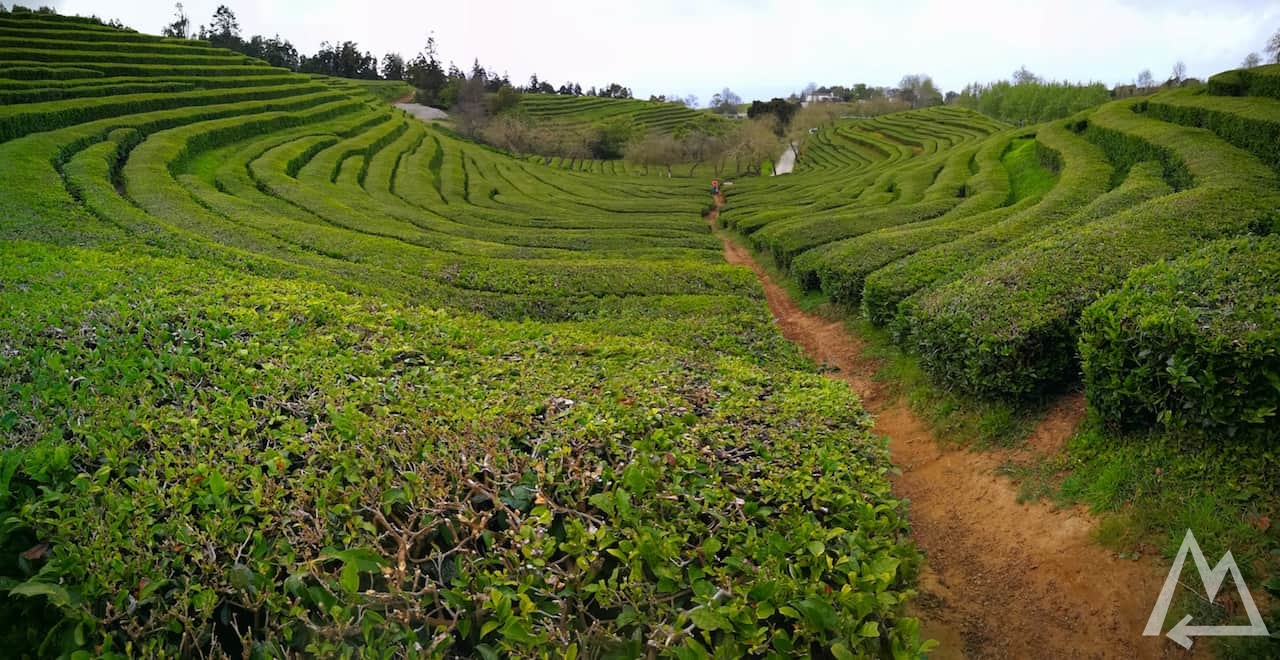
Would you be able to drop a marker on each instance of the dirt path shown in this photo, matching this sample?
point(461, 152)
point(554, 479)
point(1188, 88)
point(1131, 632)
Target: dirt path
point(423, 112)
point(1002, 580)
point(786, 162)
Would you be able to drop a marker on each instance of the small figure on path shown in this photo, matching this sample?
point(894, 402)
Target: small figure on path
point(715, 187)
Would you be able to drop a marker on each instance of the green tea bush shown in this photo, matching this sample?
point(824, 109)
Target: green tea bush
point(179, 58)
point(19, 120)
point(1252, 124)
point(786, 239)
point(70, 42)
point(85, 91)
point(1010, 327)
point(95, 79)
point(1082, 174)
point(67, 33)
point(115, 69)
point(33, 71)
point(268, 467)
point(1192, 343)
point(1258, 81)
point(841, 270)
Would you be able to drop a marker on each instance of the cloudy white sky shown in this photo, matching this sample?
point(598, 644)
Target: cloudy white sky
point(761, 48)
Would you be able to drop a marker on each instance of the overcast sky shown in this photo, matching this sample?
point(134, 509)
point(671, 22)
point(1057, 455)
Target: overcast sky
point(760, 48)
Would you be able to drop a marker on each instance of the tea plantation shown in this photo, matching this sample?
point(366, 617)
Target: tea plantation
point(1123, 247)
point(286, 372)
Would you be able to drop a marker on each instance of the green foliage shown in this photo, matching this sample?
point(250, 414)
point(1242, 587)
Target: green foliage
point(290, 373)
point(383, 90)
point(1190, 344)
point(1032, 101)
point(1258, 81)
point(1032, 168)
point(83, 91)
point(634, 499)
point(504, 100)
point(1009, 328)
point(19, 120)
point(1251, 124)
point(611, 136)
point(570, 113)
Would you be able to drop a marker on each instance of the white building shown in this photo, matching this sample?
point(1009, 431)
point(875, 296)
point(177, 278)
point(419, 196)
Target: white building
point(819, 98)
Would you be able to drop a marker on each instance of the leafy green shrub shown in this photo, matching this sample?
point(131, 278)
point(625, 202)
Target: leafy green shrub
point(1252, 124)
point(27, 118)
point(1190, 344)
point(268, 467)
point(1227, 83)
point(1062, 175)
point(32, 71)
point(67, 33)
point(840, 267)
point(1258, 81)
point(1125, 149)
point(84, 91)
point(181, 56)
point(69, 41)
point(789, 238)
point(1010, 328)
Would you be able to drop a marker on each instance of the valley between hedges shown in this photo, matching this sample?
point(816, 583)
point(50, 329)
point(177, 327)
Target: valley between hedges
point(287, 372)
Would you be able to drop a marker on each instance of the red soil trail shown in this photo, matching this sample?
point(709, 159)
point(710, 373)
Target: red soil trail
point(1002, 579)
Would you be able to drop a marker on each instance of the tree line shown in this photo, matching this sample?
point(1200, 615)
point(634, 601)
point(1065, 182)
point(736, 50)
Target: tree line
point(436, 84)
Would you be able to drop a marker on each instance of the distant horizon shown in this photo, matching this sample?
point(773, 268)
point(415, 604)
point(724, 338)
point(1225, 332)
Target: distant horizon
point(763, 48)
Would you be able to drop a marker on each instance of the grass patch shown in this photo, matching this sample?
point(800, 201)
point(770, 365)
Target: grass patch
point(1027, 175)
point(1150, 488)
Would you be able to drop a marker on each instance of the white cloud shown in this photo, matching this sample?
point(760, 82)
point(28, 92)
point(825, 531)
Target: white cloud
point(762, 48)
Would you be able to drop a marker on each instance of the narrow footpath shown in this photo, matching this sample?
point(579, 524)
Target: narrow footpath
point(786, 162)
point(1002, 579)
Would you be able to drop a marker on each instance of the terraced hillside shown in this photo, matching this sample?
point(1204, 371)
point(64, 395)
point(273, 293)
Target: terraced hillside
point(567, 119)
point(284, 371)
point(1128, 243)
point(574, 112)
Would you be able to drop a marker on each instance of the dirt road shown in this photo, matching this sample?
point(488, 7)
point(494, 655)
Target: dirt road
point(786, 162)
point(423, 112)
point(1002, 579)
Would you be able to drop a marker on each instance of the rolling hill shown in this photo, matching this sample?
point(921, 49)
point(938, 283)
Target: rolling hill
point(288, 372)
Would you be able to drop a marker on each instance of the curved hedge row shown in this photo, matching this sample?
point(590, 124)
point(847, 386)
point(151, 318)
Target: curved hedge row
point(840, 269)
point(71, 41)
point(1192, 343)
point(69, 33)
point(181, 58)
point(1251, 124)
point(1258, 81)
point(89, 91)
point(19, 120)
point(1082, 175)
point(95, 78)
point(1010, 328)
point(33, 71)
